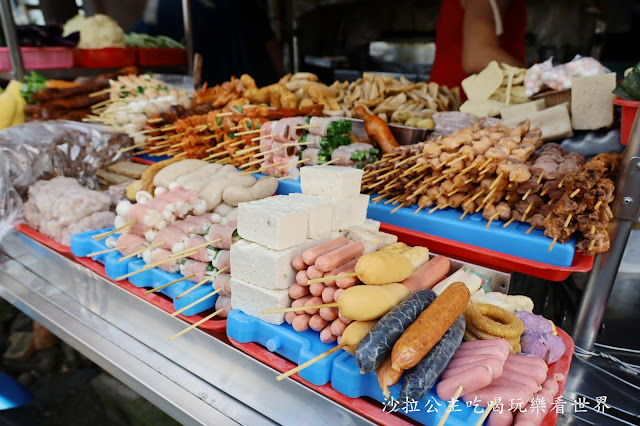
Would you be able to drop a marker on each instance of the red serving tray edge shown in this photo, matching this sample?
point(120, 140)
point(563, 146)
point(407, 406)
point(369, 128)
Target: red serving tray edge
point(490, 258)
point(43, 239)
point(374, 413)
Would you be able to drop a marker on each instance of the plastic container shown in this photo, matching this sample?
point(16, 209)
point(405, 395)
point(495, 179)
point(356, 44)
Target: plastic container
point(43, 239)
point(343, 371)
point(39, 58)
point(108, 57)
point(158, 56)
point(629, 109)
point(12, 393)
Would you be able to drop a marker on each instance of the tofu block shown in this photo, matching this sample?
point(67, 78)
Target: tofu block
point(513, 111)
point(320, 212)
point(369, 225)
point(554, 122)
point(333, 182)
point(263, 266)
point(478, 87)
point(312, 242)
point(371, 241)
point(387, 239)
point(350, 212)
point(276, 225)
point(592, 101)
point(252, 300)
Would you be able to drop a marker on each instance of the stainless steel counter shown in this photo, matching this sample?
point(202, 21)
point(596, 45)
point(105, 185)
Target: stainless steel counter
point(197, 379)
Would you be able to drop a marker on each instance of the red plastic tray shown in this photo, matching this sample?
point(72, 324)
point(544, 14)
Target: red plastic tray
point(39, 58)
point(375, 413)
point(158, 300)
point(490, 258)
point(629, 109)
point(43, 239)
point(143, 161)
point(158, 56)
point(108, 57)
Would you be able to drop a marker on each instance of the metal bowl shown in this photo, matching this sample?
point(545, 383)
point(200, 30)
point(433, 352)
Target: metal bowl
point(403, 134)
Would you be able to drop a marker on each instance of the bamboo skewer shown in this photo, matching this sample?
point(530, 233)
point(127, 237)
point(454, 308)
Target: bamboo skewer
point(524, 215)
point(450, 407)
point(335, 160)
point(191, 305)
point(463, 215)
point(311, 361)
point(593, 229)
point(566, 222)
point(553, 243)
point(486, 413)
point(196, 324)
point(544, 191)
point(141, 250)
point(219, 154)
point(245, 150)
point(261, 169)
point(509, 222)
point(574, 193)
point(150, 266)
point(597, 206)
point(131, 148)
point(591, 244)
point(98, 237)
point(199, 246)
point(96, 253)
point(162, 287)
point(155, 120)
point(540, 177)
point(526, 195)
point(248, 132)
point(530, 229)
point(293, 164)
point(262, 137)
point(208, 279)
point(397, 208)
point(495, 215)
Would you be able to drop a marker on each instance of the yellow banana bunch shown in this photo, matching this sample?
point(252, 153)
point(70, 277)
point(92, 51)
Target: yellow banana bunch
point(11, 105)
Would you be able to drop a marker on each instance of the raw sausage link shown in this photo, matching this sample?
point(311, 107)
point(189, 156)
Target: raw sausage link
point(298, 264)
point(316, 289)
point(309, 256)
point(471, 380)
point(296, 291)
point(430, 326)
point(301, 322)
point(339, 256)
point(429, 274)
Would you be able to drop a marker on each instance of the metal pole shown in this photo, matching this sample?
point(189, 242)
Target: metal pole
point(188, 34)
point(626, 208)
point(11, 37)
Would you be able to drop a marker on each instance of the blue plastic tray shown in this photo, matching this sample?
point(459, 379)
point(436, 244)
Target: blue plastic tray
point(339, 368)
point(284, 340)
point(82, 244)
point(472, 230)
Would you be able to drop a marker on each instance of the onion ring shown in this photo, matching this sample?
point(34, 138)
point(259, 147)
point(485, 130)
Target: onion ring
point(485, 319)
point(468, 336)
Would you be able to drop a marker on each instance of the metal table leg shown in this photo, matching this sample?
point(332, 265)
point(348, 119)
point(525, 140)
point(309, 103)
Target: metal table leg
point(188, 33)
point(11, 37)
point(626, 208)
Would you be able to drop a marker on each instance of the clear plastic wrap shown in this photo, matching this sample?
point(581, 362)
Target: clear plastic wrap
point(42, 150)
point(560, 77)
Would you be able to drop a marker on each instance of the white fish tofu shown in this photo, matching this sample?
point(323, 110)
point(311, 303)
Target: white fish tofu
point(252, 300)
point(277, 225)
point(333, 182)
point(263, 266)
point(320, 212)
point(350, 212)
point(592, 101)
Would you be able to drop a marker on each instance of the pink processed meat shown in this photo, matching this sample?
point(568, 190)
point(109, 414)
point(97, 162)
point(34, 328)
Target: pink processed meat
point(170, 237)
point(429, 274)
point(222, 260)
point(161, 255)
point(471, 380)
point(310, 255)
point(226, 233)
point(222, 282)
point(131, 242)
point(224, 303)
point(339, 256)
point(201, 270)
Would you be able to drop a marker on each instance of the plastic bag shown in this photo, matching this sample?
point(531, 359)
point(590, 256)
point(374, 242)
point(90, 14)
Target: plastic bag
point(560, 77)
point(42, 150)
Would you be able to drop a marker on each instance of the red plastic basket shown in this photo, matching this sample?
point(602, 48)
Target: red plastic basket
point(158, 300)
point(490, 258)
point(375, 413)
point(39, 58)
point(43, 239)
point(108, 57)
point(158, 56)
point(629, 109)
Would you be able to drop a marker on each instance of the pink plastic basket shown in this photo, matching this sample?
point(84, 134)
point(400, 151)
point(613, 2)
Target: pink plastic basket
point(39, 58)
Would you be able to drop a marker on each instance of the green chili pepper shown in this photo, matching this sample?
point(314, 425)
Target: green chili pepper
point(238, 108)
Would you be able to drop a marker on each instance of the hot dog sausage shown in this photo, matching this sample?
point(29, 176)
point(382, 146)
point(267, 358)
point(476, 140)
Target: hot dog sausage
point(339, 256)
point(311, 302)
point(344, 319)
point(329, 314)
point(317, 323)
point(343, 269)
point(471, 380)
point(298, 264)
point(387, 376)
point(300, 302)
point(314, 273)
point(525, 359)
point(467, 360)
point(327, 294)
point(326, 336)
point(296, 291)
point(289, 318)
point(429, 274)
point(537, 373)
point(302, 278)
point(337, 327)
point(310, 255)
point(301, 322)
point(482, 396)
point(316, 289)
point(491, 362)
point(474, 344)
point(502, 417)
point(495, 350)
point(525, 381)
point(429, 327)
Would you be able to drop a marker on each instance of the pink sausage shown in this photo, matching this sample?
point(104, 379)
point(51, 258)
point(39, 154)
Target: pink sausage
point(476, 344)
point(296, 291)
point(429, 274)
point(313, 273)
point(317, 288)
point(342, 269)
point(329, 314)
point(301, 322)
point(534, 416)
point(289, 317)
point(317, 323)
point(496, 350)
point(466, 360)
point(339, 339)
point(302, 278)
point(300, 302)
point(500, 417)
point(525, 381)
point(521, 378)
point(337, 294)
point(327, 294)
point(471, 380)
point(339, 256)
point(494, 364)
point(311, 302)
point(298, 264)
point(482, 396)
point(344, 319)
point(538, 374)
point(348, 282)
point(326, 336)
point(525, 359)
point(337, 327)
point(309, 256)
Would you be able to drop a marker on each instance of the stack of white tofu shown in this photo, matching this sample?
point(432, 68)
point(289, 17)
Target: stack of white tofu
point(277, 229)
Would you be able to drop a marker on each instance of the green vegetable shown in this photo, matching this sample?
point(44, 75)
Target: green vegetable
point(249, 124)
point(210, 268)
point(218, 120)
point(146, 40)
point(140, 90)
point(374, 151)
point(235, 234)
point(308, 120)
point(238, 108)
point(33, 83)
point(629, 87)
point(263, 105)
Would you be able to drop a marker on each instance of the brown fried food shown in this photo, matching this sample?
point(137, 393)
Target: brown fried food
point(489, 322)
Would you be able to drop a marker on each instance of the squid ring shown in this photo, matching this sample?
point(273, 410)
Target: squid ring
point(486, 319)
